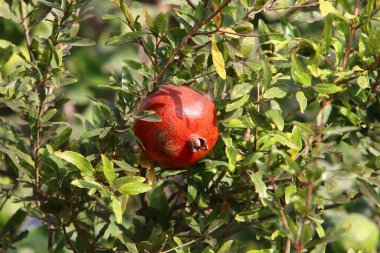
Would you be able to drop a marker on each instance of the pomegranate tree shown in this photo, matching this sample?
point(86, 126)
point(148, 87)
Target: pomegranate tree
point(187, 130)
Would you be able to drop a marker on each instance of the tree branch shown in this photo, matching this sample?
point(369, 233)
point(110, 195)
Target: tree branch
point(26, 30)
point(191, 4)
point(195, 240)
point(195, 28)
point(351, 37)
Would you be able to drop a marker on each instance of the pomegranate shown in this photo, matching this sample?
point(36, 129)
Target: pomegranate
point(188, 130)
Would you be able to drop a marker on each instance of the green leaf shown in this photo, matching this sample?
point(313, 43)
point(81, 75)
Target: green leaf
point(123, 38)
point(48, 115)
point(217, 59)
point(118, 182)
point(296, 137)
point(160, 23)
point(290, 191)
point(244, 27)
point(148, 115)
point(327, 33)
point(260, 120)
point(247, 45)
point(240, 90)
point(260, 187)
point(77, 42)
point(117, 209)
point(5, 54)
point(262, 251)
point(226, 248)
point(92, 133)
point(267, 75)
point(302, 100)
point(50, 4)
point(325, 88)
point(333, 236)
point(355, 119)
point(241, 122)
point(134, 188)
point(13, 224)
point(191, 193)
point(274, 92)
point(7, 14)
point(78, 160)
point(62, 138)
point(368, 191)
point(252, 157)
point(324, 115)
point(276, 116)
point(363, 81)
point(282, 139)
point(299, 73)
point(87, 184)
point(21, 155)
point(108, 170)
point(231, 153)
point(237, 103)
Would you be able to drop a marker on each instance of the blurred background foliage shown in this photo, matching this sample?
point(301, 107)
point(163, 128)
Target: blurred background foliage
point(93, 66)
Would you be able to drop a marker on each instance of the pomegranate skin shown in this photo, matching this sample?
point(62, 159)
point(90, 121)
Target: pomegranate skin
point(188, 130)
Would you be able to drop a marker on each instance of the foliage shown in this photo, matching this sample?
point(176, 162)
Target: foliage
point(298, 113)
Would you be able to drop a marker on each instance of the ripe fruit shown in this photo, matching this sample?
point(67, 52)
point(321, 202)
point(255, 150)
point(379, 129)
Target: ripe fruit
point(188, 130)
point(362, 235)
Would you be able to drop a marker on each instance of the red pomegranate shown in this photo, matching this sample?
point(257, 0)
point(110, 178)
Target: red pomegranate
point(188, 130)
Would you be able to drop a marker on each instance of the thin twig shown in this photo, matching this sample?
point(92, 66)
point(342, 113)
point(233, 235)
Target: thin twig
point(258, 106)
point(191, 4)
point(195, 28)
point(351, 37)
point(299, 244)
point(293, 7)
point(26, 30)
point(194, 241)
point(82, 235)
point(68, 239)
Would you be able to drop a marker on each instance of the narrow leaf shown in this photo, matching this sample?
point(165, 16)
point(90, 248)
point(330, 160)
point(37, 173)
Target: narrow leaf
point(78, 160)
point(217, 59)
point(87, 184)
point(123, 38)
point(108, 170)
point(325, 88)
point(260, 187)
point(134, 188)
point(302, 100)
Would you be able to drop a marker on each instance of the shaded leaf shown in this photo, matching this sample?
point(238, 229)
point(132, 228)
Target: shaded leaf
point(77, 42)
point(123, 38)
point(276, 116)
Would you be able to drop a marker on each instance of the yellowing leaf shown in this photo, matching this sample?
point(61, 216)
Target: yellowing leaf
point(151, 176)
point(148, 19)
point(218, 17)
point(217, 59)
point(326, 8)
point(229, 32)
